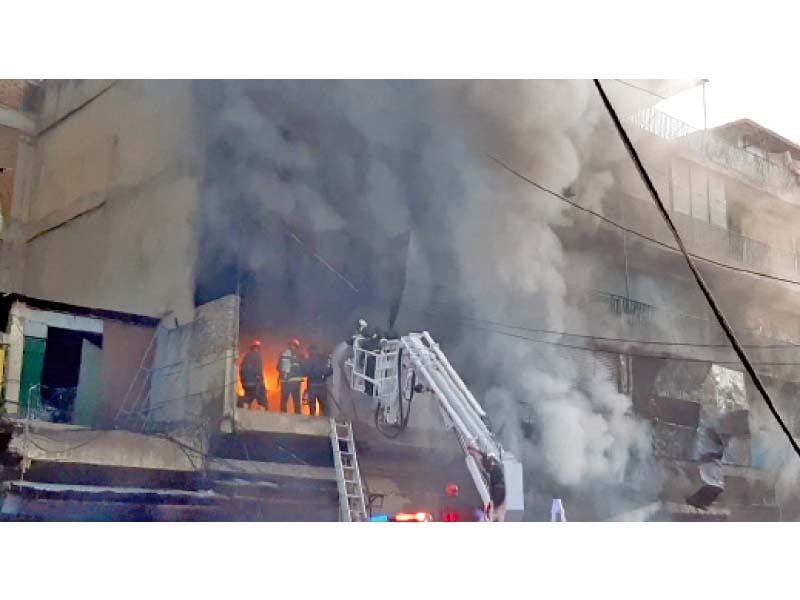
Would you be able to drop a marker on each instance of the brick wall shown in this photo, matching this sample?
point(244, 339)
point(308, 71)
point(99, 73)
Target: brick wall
point(12, 92)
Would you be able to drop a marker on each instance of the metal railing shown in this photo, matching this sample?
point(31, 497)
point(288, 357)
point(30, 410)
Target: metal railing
point(716, 243)
point(761, 171)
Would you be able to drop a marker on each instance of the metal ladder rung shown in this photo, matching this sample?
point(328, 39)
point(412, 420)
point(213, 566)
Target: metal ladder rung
point(351, 493)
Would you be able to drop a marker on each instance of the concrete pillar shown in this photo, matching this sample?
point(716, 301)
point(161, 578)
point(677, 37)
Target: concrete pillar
point(16, 341)
point(24, 180)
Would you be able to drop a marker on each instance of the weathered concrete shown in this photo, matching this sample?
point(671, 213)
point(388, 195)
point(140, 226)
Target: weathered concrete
point(110, 199)
point(270, 422)
point(261, 469)
point(62, 97)
point(16, 119)
point(106, 448)
point(13, 370)
point(124, 352)
point(193, 375)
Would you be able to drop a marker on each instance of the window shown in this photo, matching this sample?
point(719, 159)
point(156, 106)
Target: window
point(699, 183)
point(718, 206)
point(680, 187)
point(700, 194)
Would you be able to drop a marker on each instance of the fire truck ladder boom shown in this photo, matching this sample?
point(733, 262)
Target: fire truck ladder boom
point(461, 412)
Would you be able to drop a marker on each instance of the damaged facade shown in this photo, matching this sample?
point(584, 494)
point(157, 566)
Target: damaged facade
point(732, 192)
point(137, 266)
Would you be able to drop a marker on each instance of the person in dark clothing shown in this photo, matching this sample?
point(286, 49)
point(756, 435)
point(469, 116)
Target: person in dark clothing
point(251, 373)
point(318, 370)
point(290, 368)
point(493, 468)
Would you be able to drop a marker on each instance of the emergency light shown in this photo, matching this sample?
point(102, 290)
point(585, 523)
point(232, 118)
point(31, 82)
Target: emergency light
point(418, 517)
point(380, 518)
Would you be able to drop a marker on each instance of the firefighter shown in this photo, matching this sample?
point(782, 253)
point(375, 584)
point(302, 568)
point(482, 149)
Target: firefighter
point(454, 508)
point(251, 372)
point(318, 370)
point(290, 369)
point(496, 508)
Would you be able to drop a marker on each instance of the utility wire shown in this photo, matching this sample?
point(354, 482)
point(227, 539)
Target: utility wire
point(451, 312)
point(640, 88)
point(486, 326)
point(324, 262)
point(697, 276)
point(638, 233)
point(636, 354)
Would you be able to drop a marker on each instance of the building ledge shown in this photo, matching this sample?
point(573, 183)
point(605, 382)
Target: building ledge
point(271, 422)
point(29, 490)
point(250, 468)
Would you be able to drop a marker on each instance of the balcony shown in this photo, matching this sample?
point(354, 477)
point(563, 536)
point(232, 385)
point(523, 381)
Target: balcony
point(712, 242)
point(756, 170)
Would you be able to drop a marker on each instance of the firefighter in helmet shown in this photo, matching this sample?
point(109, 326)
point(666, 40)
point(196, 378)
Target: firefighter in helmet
point(290, 369)
point(318, 370)
point(251, 373)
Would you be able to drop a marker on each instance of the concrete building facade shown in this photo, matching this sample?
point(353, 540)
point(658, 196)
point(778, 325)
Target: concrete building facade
point(110, 185)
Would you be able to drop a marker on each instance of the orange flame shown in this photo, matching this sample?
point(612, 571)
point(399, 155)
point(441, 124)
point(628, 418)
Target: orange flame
point(270, 352)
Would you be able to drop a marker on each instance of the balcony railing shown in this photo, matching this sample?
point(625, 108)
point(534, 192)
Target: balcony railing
point(759, 170)
point(715, 243)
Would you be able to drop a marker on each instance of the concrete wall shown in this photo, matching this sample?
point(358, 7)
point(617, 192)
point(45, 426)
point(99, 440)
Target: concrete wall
point(109, 206)
point(125, 350)
point(194, 368)
point(9, 140)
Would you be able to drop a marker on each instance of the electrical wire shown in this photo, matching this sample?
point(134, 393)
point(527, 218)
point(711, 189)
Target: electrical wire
point(638, 234)
point(640, 88)
point(451, 312)
point(491, 326)
point(693, 268)
point(636, 354)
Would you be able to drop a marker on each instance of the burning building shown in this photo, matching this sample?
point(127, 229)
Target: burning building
point(216, 213)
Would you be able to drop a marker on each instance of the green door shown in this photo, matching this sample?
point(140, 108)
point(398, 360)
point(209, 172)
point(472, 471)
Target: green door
point(32, 363)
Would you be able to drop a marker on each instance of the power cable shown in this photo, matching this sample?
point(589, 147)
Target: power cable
point(640, 88)
point(638, 234)
point(451, 312)
point(697, 276)
point(636, 354)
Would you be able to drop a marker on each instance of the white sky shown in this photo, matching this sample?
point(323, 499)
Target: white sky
point(773, 103)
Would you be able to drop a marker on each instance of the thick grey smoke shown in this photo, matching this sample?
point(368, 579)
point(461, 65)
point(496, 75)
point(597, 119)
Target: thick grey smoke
point(351, 165)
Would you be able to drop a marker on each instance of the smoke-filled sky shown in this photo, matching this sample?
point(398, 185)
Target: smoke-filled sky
point(769, 102)
point(309, 185)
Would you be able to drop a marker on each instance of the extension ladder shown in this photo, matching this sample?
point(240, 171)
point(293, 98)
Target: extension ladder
point(352, 503)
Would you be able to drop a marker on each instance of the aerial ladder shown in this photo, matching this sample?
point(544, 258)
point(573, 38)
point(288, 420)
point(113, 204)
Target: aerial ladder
point(392, 371)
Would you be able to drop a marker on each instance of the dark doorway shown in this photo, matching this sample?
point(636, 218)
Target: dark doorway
point(61, 371)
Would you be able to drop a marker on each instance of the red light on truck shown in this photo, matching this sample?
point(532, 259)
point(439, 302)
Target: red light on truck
point(418, 517)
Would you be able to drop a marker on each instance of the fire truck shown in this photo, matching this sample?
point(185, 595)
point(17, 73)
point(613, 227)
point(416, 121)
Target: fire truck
point(392, 371)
